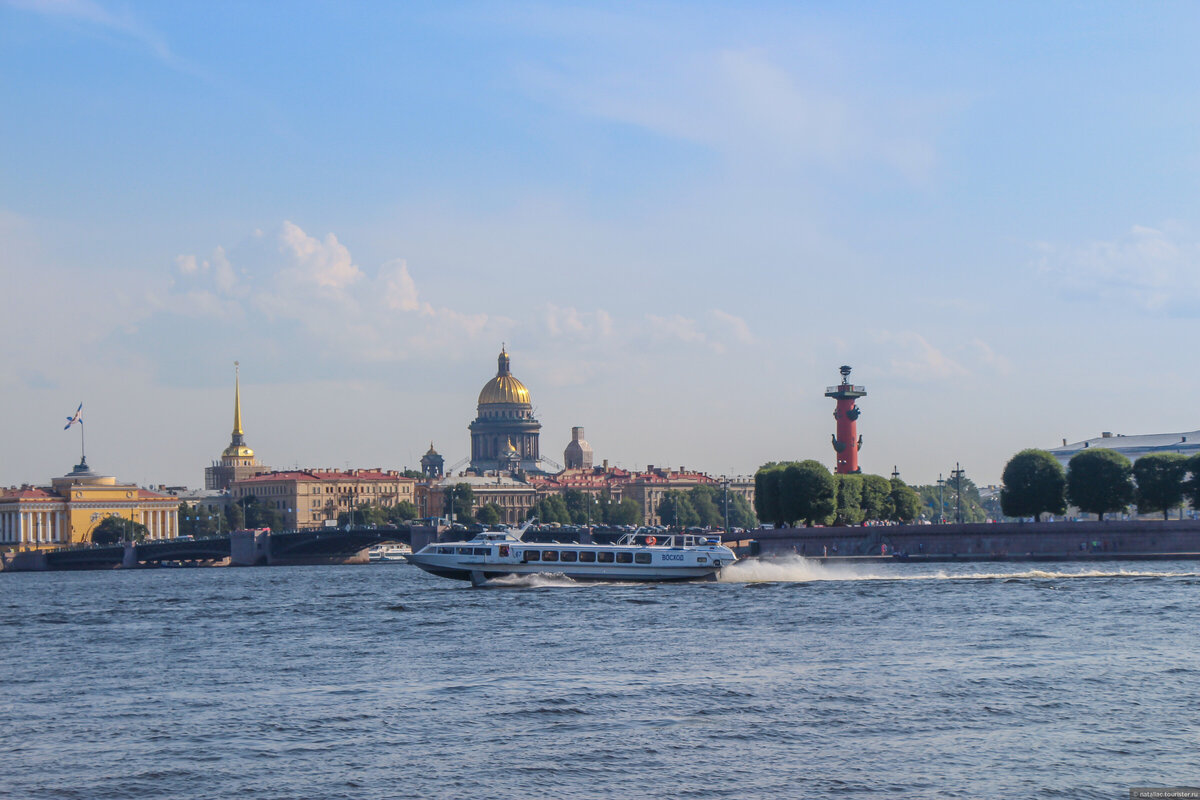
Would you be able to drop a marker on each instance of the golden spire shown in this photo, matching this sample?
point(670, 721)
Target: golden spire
point(237, 400)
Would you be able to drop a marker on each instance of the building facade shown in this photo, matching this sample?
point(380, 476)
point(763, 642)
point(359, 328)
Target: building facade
point(67, 511)
point(311, 498)
point(504, 433)
point(513, 496)
point(1133, 447)
point(578, 454)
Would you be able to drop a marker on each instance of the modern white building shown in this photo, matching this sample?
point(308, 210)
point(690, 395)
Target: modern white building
point(1133, 447)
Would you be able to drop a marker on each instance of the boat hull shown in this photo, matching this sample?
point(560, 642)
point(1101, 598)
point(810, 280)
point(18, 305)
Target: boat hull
point(474, 573)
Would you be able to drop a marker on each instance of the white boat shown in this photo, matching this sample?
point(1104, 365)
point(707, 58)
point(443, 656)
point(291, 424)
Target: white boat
point(635, 557)
point(381, 553)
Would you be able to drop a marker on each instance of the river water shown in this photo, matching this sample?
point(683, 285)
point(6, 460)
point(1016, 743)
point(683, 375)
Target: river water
point(790, 680)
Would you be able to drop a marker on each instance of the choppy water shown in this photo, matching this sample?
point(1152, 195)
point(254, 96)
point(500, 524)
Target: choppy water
point(788, 681)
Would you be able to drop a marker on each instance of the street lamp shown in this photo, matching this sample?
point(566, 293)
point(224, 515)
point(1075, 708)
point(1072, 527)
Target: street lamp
point(725, 484)
point(957, 474)
point(941, 500)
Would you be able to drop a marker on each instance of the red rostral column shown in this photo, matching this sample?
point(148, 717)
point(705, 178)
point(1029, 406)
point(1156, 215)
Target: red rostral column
point(846, 442)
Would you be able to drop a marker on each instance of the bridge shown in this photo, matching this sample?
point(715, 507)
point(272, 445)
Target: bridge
point(323, 545)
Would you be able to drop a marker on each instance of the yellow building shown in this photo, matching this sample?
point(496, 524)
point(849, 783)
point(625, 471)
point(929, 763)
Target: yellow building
point(310, 498)
point(67, 511)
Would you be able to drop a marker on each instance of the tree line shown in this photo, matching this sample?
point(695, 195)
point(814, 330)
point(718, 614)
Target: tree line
point(806, 491)
point(1098, 481)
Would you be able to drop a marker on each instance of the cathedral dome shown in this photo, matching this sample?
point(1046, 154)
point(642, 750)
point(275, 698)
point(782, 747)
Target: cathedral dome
point(504, 388)
point(237, 451)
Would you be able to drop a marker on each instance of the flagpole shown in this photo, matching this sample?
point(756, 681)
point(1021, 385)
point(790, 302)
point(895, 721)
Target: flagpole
point(83, 442)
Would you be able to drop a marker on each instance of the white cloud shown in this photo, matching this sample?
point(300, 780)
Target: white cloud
point(1154, 269)
point(326, 264)
point(754, 107)
point(570, 321)
point(398, 289)
point(676, 327)
point(911, 356)
point(736, 326)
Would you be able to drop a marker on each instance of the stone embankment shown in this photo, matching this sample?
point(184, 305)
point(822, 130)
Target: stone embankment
point(1042, 541)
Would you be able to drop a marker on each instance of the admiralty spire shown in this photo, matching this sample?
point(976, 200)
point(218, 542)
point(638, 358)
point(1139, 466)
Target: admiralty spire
point(237, 461)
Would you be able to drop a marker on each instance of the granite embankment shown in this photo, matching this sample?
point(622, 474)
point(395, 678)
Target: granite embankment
point(1014, 541)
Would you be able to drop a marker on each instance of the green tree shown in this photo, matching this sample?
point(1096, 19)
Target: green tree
point(904, 501)
point(235, 520)
point(118, 529)
point(807, 492)
point(551, 508)
point(1159, 482)
point(578, 506)
point(196, 521)
point(1191, 486)
point(849, 499)
point(626, 512)
point(1034, 483)
point(1099, 481)
point(461, 500)
point(706, 501)
point(741, 515)
point(490, 514)
point(675, 509)
point(876, 497)
point(403, 511)
point(259, 514)
point(767, 493)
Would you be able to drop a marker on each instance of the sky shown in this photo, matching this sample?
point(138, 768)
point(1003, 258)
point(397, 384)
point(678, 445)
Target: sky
point(679, 218)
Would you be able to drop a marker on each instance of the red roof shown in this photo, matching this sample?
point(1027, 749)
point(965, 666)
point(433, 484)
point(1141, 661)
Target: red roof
point(326, 475)
point(29, 494)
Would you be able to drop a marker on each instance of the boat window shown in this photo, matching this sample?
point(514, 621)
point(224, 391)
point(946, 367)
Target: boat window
point(465, 551)
point(483, 551)
point(569, 555)
point(604, 558)
point(702, 559)
point(624, 558)
point(445, 551)
point(532, 555)
point(549, 555)
point(642, 558)
point(587, 556)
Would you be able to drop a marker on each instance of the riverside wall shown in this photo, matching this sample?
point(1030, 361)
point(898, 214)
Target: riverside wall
point(1008, 539)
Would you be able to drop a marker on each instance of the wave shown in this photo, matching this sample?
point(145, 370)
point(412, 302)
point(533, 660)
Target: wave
point(797, 569)
point(536, 580)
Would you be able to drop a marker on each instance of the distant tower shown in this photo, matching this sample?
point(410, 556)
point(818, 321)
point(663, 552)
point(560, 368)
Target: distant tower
point(432, 463)
point(237, 461)
point(846, 442)
point(578, 454)
point(505, 418)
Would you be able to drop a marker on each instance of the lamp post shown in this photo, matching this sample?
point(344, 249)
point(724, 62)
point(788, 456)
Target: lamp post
point(957, 474)
point(725, 486)
point(941, 482)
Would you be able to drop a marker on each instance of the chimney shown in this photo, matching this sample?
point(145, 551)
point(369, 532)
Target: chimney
point(1106, 435)
point(606, 465)
point(1064, 442)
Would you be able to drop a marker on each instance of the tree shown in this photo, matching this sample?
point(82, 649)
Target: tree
point(849, 499)
point(1034, 483)
point(904, 501)
point(401, 512)
point(876, 497)
point(706, 501)
point(1191, 486)
point(551, 508)
point(460, 500)
point(766, 493)
point(115, 529)
point(578, 506)
point(489, 514)
point(740, 513)
point(195, 521)
point(626, 512)
point(807, 492)
point(675, 509)
point(1159, 482)
point(1099, 480)
point(234, 518)
point(259, 514)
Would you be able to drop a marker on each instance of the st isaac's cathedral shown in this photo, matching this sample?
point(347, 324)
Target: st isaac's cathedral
point(504, 435)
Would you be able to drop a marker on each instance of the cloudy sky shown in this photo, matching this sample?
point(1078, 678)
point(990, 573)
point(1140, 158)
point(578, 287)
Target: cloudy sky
point(681, 218)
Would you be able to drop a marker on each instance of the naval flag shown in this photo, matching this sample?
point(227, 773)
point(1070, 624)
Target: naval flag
point(76, 417)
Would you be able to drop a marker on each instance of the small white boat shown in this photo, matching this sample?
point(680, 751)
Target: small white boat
point(381, 553)
point(635, 557)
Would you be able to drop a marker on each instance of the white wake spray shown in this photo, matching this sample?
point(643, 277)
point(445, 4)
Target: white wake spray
point(797, 569)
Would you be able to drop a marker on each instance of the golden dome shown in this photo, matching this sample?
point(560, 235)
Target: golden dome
point(503, 388)
point(238, 451)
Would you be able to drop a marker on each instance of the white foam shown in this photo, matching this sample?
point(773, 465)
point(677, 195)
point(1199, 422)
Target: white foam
point(535, 580)
point(797, 569)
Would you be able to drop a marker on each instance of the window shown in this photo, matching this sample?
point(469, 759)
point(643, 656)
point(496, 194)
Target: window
point(642, 558)
point(483, 551)
point(549, 555)
point(624, 558)
point(445, 551)
point(532, 555)
point(604, 558)
point(569, 555)
point(587, 557)
point(465, 551)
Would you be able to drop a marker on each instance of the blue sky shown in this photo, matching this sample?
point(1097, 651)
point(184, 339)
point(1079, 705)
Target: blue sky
point(682, 218)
